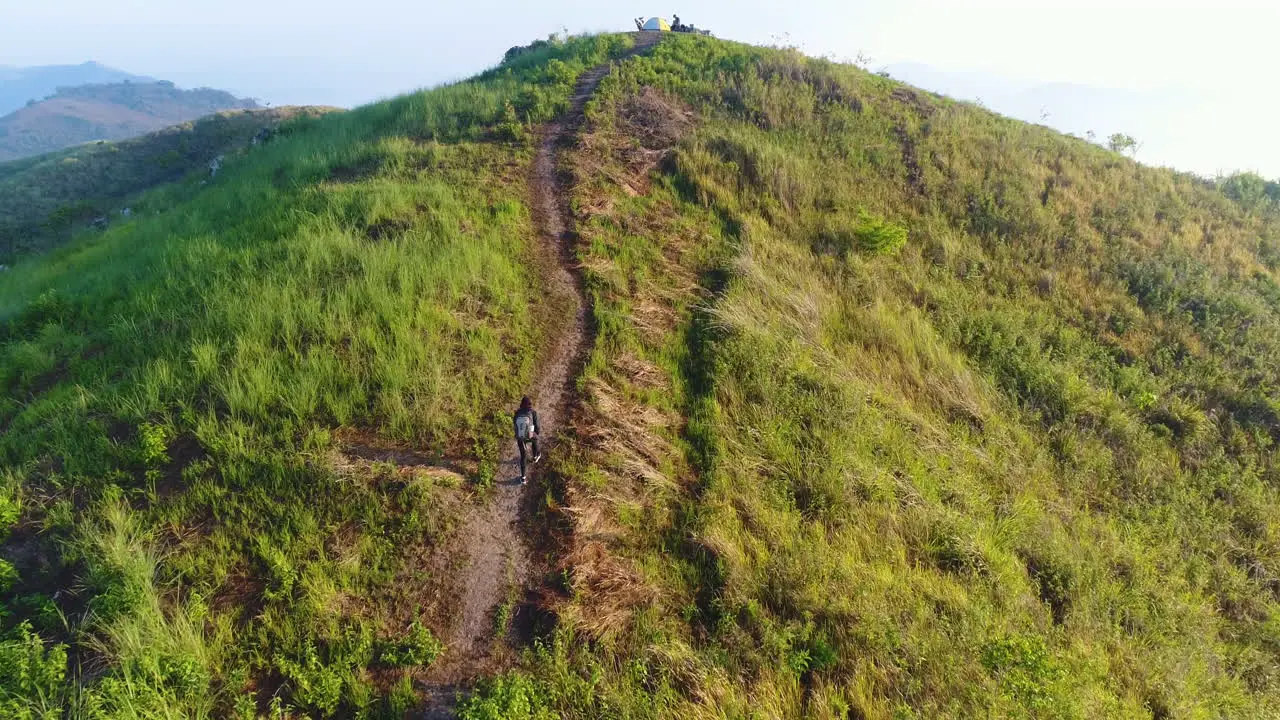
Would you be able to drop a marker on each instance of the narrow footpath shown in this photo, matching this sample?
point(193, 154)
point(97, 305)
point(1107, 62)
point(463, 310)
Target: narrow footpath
point(498, 563)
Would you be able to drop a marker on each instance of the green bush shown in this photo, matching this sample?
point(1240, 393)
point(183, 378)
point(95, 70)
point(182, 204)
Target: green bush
point(879, 237)
point(510, 128)
point(31, 676)
point(328, 671)
point(119, 571)
point(315, 684)
point(418, 648)
point(153, 444)
point(8, 575)
point(10, 507)
point(513, 696)
point(1026, 670)
point(1249, 189)
point(152, 686)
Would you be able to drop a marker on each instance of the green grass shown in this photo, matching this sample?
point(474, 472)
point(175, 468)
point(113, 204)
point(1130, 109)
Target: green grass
point(903, 409)
point(895, 408)
point(46, 200)
point(172, 388)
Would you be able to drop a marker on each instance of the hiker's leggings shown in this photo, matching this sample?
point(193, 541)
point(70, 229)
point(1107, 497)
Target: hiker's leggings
point(523, 458)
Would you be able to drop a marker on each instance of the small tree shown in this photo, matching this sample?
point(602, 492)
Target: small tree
point(1121, 143)
point(1248, 189)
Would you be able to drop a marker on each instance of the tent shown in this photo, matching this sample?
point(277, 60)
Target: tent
point(658, 24)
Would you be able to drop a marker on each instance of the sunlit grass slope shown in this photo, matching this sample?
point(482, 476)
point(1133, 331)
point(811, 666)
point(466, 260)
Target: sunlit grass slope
point(895, 408)
point(45, 200)
point(903, 409)
point(180, 542)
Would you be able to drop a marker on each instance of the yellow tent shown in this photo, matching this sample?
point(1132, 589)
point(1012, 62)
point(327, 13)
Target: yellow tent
point(657, 24)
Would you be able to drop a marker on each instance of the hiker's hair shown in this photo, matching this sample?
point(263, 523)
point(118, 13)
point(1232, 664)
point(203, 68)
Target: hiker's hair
point(526, 403)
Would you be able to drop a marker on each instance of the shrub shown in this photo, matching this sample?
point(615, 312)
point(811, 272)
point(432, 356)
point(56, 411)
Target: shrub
point(119, 562)
point(866, 234)
point(519, 50)
point(1248, 189)
point(8, 575)
point(1054, 579)
point(153, 444)
point(1182, 419)
point(1026, 670)
point(1121, 143)
point(507, 697)
point(419, 647)
point(31, 676)
point(879, 237)
point(150, 686)
point(811, 650)
point(316, 684)
point(10, 509)
point(510, 128)
point(327, 672)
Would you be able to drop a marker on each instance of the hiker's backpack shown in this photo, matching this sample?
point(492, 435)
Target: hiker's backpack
point(524, 426)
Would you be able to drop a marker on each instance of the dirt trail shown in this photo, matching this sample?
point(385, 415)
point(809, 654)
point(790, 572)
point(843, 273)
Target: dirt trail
point(498, 562)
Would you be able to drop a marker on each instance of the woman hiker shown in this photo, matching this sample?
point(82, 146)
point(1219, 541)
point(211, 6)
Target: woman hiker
point(526, 426)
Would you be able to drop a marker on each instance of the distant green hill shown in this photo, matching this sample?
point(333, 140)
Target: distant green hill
point(46, 199)
point(20, 85)
point(894, 408)
point(75, 115)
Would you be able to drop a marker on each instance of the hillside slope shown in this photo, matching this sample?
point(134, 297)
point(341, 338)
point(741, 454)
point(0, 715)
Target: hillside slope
point(20, 85)
point(81, 114)
point(900, 408)
point(297, 375)
point(44, 200)
point(894, 408)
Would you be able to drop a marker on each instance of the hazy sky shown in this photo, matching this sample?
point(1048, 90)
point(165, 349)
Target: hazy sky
point(1193, 81)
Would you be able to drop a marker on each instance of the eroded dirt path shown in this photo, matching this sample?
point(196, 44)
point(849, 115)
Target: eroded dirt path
point(498, 564)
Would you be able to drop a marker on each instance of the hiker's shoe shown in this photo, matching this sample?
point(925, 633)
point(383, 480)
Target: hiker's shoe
point(537, 458)
point(524, 480)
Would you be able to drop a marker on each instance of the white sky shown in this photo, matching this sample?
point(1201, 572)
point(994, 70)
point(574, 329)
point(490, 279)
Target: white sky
point(1214, 61)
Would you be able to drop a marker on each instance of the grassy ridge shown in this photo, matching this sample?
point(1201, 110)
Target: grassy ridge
point(896, 408)
point(903, 409)
point(171, 392)
point(113, 111)
point(46, 199)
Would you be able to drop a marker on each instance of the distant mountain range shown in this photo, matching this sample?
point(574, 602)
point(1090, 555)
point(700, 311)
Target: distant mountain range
point(76, 114)
point(21, 85)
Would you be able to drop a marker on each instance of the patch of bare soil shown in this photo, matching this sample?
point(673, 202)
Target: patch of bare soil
point(649, 125)
point(656, 120)
point(361, 452)
point(388, 229)
point(38, 556)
